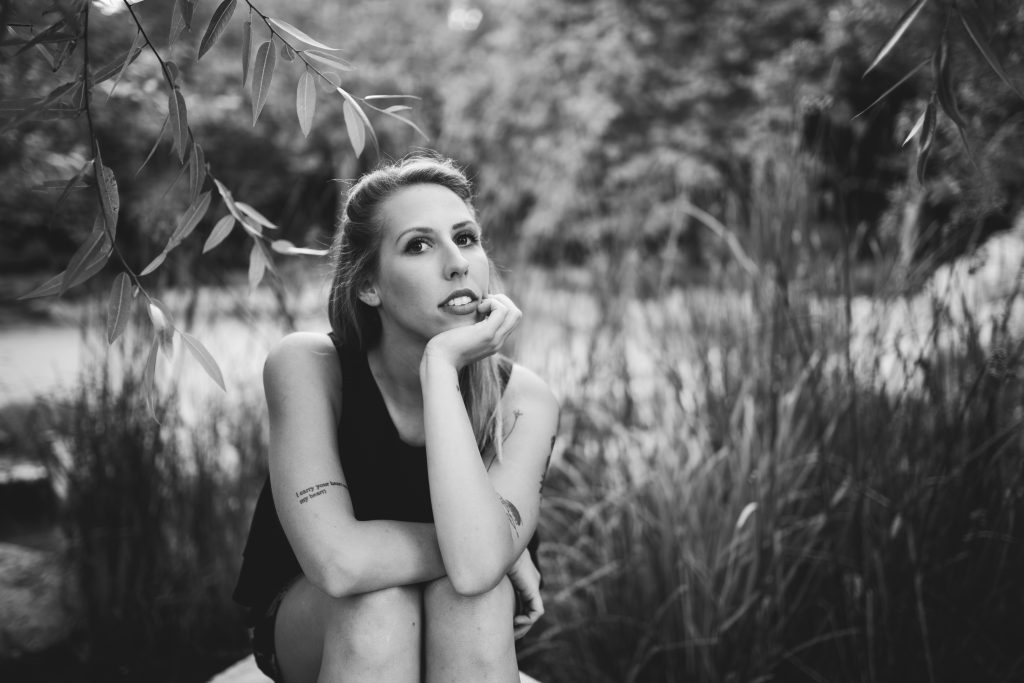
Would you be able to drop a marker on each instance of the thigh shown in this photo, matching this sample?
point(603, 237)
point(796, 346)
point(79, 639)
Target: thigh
point(469, 637)
point(348, 638)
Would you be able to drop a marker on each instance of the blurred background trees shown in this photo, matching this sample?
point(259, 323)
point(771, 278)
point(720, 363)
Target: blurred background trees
point(588, 125)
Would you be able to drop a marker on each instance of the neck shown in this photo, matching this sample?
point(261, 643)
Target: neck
point(396, 363)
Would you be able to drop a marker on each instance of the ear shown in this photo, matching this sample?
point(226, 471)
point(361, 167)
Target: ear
point(369, 295)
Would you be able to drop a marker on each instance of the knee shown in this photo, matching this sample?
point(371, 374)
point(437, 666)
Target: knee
point(377, 626)
point(478, 626)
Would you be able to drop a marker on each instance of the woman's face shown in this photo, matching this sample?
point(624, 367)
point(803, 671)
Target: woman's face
point(432, 269)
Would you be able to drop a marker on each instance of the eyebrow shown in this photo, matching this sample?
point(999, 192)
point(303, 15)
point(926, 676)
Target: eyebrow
point(461, 224)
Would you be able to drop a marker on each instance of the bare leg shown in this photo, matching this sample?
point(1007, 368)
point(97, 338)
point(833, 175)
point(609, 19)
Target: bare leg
point(369, 638)
point(469, 639)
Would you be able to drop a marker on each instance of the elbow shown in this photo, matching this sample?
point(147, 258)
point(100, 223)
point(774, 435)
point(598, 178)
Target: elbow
point(337, 580)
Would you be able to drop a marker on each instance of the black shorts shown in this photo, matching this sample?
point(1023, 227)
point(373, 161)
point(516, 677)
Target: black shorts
point(261, 635)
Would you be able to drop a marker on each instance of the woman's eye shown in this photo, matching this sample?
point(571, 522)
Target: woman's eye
point(467, 239)
point(416, 246)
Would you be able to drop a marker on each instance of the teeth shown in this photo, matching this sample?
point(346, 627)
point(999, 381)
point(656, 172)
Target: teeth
point(459, 301)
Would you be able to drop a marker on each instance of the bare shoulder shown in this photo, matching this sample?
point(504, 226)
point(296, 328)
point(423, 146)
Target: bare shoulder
point(303, 362)
point(526, 391)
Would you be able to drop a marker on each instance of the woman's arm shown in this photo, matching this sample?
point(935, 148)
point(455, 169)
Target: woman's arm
point(337, 553)
point(484, 516)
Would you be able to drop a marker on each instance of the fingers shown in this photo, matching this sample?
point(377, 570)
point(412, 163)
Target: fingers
point(503, 317)
point(522, 623)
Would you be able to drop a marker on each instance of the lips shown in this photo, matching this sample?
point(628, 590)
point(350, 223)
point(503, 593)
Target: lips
point(460, 297)
point(460, 302)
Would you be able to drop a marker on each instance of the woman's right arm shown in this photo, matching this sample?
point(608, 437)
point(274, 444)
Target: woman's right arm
point(337, 553)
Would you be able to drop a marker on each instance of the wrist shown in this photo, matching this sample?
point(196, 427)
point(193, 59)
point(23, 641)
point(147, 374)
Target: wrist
point(436, 364)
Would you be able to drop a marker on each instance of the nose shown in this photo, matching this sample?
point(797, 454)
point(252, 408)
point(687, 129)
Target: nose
point(456, 265)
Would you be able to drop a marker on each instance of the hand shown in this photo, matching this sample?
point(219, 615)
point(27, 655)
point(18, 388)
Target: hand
point(525, 579)
point(464, 345)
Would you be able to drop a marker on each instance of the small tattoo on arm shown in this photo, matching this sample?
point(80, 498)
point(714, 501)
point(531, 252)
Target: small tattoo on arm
point(515, 520)
point(320, 489)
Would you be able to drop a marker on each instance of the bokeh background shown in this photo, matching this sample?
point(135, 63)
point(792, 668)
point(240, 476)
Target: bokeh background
point(790, 374)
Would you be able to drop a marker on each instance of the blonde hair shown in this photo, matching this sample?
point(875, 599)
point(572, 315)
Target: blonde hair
point(354, 258)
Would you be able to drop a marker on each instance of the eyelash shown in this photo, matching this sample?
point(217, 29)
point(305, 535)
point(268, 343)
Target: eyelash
point(473, 238)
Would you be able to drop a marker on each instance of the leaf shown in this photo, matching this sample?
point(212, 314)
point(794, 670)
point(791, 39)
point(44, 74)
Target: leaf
point(32, 108)
point(901, 27)
point(200, 353)
point(924, 143)
point(220, 232)
point(163, 324)
point(329, 62)
point(178, 22)
point(395, 108)
point(149, 378)
point(134, 51)
point(262, 74)
point(356, 133)
point(172, 72)
point(286, 247)
point(218, 23)
point(189, 220)
point(362, 115)
point(944, 83)
point(154, 264)
point(390, 111)
point(914, 130)
point(115, 66)
point(329, 81)
point(72, 184)
point(48, 288)
point(179, 122)
point(109, 200)
point(255, 215)
point(246, 48)
point(50, 34)
point(257, 265)
point(299, 35)
point(888, 92)
point(90, 257)
point(117, 306)
point(196, 170)
point(156, 143)
point(287, 52)
point(977, 35)
point(391, 97)
point(305, 101)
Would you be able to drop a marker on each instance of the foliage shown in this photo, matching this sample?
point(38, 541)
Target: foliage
point(60, 33)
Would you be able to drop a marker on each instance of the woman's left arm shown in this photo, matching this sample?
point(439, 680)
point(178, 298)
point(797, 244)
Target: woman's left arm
point(484, 516)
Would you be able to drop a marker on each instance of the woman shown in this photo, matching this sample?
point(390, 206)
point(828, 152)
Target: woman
point(406, 456)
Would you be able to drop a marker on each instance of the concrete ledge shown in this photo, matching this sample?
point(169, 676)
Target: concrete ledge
point(245, 671)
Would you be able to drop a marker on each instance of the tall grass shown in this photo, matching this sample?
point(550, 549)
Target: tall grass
point(747, 490)
point(153, 513)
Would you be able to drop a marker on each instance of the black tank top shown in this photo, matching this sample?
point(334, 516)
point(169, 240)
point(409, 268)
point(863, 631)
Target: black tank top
point(387, 479)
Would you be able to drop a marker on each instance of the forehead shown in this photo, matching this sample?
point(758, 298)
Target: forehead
point(424, 205)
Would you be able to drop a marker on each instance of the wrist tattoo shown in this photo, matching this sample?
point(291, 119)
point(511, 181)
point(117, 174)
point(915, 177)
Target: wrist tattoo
point(515, 520)
point(320, 489)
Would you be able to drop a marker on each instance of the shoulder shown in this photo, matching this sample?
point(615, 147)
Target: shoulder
point(305, 362)
point(526, 390)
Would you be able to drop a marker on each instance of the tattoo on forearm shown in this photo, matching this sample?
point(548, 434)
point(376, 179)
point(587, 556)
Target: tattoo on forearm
point(515, 520)
point(547, 463)
point(320, 489)
point(516, 414)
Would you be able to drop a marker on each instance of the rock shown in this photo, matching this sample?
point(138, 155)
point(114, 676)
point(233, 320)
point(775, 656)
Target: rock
point(36, 612)
point(245, 671)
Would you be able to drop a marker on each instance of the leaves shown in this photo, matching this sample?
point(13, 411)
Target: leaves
point(218, 23)
point(286, 247)
point(298, 35)
point(189, 220)
point(901, 27)
point(181, 18)
point(305, 101)
point(392, 112)
point(134, 51)
point(974, 30)
point(254, 214)
point(196, 170)
point(220, 232)
point(110, 203)
point(246, 49)
point(154, 264)
point(257, 265)
point(206, 360)
point(178, 121)
point(888, 92)
point(90, 257)
point(914, 130)
point(924, 143)
point(117, 306)
point(48, 288)
point(356, 133)
point(162, 323)
point(262, 74)
point(328, 62)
